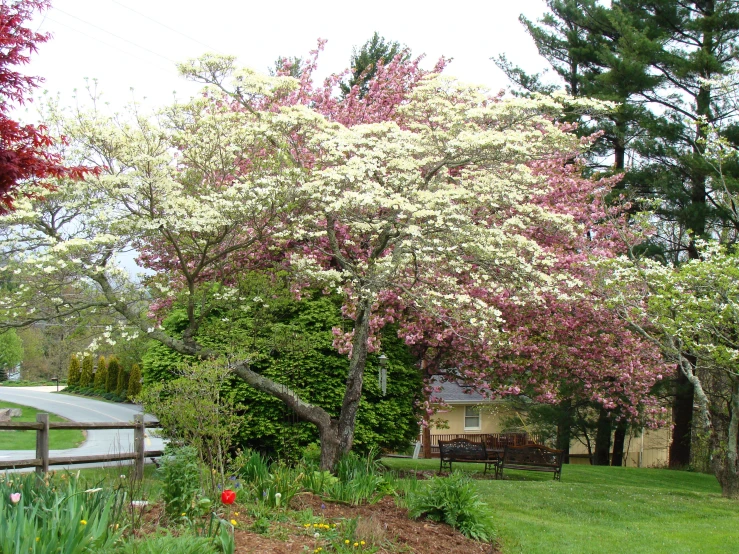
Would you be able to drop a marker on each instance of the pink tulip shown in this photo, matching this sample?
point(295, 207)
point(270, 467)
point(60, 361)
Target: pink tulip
point(15, 497)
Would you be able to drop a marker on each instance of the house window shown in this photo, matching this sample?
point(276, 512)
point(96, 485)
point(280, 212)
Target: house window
point(471, 418)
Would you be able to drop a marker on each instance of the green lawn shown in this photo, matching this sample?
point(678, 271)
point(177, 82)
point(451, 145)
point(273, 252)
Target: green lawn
point(59, 439)
point(605, 510)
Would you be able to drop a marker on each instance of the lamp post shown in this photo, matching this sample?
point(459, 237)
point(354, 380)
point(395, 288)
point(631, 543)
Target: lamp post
point(383, 373)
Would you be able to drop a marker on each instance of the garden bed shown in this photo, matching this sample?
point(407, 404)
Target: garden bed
point(385, 528)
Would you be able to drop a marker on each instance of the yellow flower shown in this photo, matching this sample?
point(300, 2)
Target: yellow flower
point(83, 522)
point(306, 525)
point(361, 542)
point(346, 541)
point(236, 514)
point(183, 514)
point(234, 522)
point(356, 544)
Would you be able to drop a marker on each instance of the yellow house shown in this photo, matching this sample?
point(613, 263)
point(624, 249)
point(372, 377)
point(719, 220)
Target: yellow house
point(468, 414)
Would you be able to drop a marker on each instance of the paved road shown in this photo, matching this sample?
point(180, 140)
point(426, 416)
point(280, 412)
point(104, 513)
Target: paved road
point(100, 441)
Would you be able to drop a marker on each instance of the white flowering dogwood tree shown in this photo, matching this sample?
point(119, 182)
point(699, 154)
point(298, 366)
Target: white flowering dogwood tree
point(414, 200)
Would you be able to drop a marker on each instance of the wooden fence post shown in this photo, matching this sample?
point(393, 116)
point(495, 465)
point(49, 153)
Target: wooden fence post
point(139, 446)
point(42, 444)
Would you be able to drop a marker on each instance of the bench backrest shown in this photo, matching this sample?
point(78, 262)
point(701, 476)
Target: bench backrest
point(532, 454)
point(458, 449)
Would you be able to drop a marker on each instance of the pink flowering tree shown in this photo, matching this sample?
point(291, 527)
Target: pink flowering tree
point(564, 349)
point(423, 199)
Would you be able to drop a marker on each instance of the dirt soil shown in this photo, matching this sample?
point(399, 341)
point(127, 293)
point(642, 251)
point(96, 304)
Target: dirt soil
point(382, 524)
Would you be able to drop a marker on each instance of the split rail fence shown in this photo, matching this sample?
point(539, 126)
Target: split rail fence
point(42, 426)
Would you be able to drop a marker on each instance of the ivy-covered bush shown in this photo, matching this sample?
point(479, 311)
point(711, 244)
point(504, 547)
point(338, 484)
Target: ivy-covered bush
point(290, 341)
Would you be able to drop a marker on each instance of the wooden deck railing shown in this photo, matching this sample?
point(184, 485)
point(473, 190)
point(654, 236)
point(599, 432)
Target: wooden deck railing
point(42, 426)
point(491, 440)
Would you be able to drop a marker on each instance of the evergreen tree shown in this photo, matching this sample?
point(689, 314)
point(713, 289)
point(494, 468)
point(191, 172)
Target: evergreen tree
point(122, 384)
point(101, 375)
point(86, 376)
point(134, 382)
point(364, 61)
point(73, 377)
point(114, 368)
point(657, 58)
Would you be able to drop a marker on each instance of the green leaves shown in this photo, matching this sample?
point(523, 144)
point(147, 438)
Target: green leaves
point(453, 500)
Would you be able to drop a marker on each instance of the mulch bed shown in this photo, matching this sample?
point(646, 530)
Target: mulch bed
point(383, 523)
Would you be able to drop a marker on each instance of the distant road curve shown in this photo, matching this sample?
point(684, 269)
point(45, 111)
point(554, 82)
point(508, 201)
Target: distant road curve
point(82, 409)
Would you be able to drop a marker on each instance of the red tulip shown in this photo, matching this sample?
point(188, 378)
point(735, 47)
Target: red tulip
point(228, 496)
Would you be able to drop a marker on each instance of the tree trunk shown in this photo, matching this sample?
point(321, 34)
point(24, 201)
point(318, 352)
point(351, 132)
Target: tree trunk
point(330, 451)
point(725, 457)
point(619, 438)
point(355, 378)
point(564, 429)
point(682, 419)
point(603, 439)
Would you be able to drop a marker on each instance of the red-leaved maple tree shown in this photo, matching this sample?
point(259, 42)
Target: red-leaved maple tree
point(25, 150)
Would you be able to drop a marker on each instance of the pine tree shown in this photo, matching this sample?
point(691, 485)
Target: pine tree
point(134, 382)
point(114, 368)
point(657, 59)
point(101, 375)
point(73, 377)
point(364, 61)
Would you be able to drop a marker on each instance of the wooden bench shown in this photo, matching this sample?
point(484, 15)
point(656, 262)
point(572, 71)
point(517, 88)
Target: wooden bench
point(463, 450)
point(531, 457)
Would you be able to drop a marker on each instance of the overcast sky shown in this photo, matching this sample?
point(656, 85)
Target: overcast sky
point(135, 44)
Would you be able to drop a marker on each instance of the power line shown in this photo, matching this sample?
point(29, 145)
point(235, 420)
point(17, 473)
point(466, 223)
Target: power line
point(167, 27)
point(116, 36)
point(111, 46)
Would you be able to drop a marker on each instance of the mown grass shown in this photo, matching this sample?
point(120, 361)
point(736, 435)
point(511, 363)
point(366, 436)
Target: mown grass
point(605, 510)
point(59, 439)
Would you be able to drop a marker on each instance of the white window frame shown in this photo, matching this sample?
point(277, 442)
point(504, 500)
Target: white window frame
point(470, 412)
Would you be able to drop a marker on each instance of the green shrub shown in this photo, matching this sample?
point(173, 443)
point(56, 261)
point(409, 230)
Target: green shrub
point(73, 377)
point(122, 385)
point(453, 500)
point(292, 342)
point(114, 367)
point(101, 375)
point(180, 471)
point(134, 382)
point(196, 410)
point(86, 376)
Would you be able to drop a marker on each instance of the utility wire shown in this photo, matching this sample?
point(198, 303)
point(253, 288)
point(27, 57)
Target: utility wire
point(116, 36)
point(145, 60)
point(167, 27)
